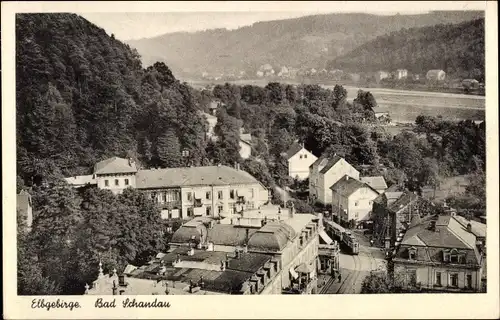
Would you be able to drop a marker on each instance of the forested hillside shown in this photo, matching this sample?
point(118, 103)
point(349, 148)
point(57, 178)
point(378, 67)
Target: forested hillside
point(83, 95)
point(302, 42)
point(457, 49)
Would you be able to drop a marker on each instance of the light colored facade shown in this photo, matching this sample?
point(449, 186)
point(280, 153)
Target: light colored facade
point(353, 199)
point(299, 160)
point(435, 75)
point(185, 192)
point(24, 208)
point(115, 174)
point(401, 74)
point(324, 173)
point(380, 75)
point(440, 255)
point(245, 149)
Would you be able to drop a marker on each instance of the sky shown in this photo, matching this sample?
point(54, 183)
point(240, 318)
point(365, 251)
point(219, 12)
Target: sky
point(132, 20)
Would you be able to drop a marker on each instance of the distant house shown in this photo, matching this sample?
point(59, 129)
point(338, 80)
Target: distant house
point(383, 117)
point(401, 74)
point(299, 159)
point(213, 106)
point(81, 181)
point(352, 199)
point(324, 172)
point(435, 75)
point(354, 77)
point(380, 75)
point(377, 183)
point(24, 208)
point(336, 74)
point(260, 74)
point(470, 84)
point(284, 72)
point(266, 69)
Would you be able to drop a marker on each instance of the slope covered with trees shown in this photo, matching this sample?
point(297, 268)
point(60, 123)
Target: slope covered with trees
point(301, 42)
point(83, 96)
point(458, 49)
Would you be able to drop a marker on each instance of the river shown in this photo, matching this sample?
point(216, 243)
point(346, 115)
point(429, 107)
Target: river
point(404, 105)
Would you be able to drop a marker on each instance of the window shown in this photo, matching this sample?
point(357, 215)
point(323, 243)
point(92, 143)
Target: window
point(371, 202)
point(190, 196)
point(219, 195)
point(251, 193)
point(126, 182)
point(412, 254)
point(305, 156)
point(169, 214)
point(190, 211)
point(209, 195)
point(106, 183)
point(221, 208)
point(454, 256)
point(231, 194)
point(469, 281)
point(454, 279)
point(117, 182)
point(438, 278)
point(300, 156)
point(356, 203)
point(208, 210)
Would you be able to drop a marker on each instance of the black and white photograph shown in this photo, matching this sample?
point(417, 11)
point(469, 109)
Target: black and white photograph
point(311, 152)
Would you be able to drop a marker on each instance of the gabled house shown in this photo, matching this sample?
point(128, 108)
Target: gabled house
point(299, 159)
point(439, 255)
point(115, 174)
point(324, 172)
point(352, 200)
point(380, 75)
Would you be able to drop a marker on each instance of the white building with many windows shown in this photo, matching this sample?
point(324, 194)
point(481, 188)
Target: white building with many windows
point(214, 191)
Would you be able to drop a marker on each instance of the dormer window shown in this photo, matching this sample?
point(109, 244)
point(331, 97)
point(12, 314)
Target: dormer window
point(412, 253)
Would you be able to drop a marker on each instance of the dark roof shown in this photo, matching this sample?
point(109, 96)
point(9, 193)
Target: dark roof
point(294, 148)
point(115, 165)
point(272, 237)
point(318, 161)
point(177, 177)
point(402, 202)
point(448, 234)
point(249, 262)
point(186, 232)
point(228, 235)
point(331, 162)
point(348, 185)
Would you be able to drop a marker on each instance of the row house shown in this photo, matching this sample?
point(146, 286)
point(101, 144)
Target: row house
point(212, 191)
point(288, 238)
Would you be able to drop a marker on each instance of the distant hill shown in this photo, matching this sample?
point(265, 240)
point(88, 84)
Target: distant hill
point(458, 49)
point(309, 41)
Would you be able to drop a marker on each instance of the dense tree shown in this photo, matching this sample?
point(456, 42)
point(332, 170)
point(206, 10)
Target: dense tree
point(169, 150)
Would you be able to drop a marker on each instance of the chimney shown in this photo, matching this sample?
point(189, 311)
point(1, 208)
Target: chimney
point(247, 236)
point(210, 246)
point(191, 252)
point(432, 225)
point(222, 266)
point(469, 227)
point(346, 178)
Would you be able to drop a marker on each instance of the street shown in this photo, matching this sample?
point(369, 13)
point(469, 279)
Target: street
point(354, 269)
